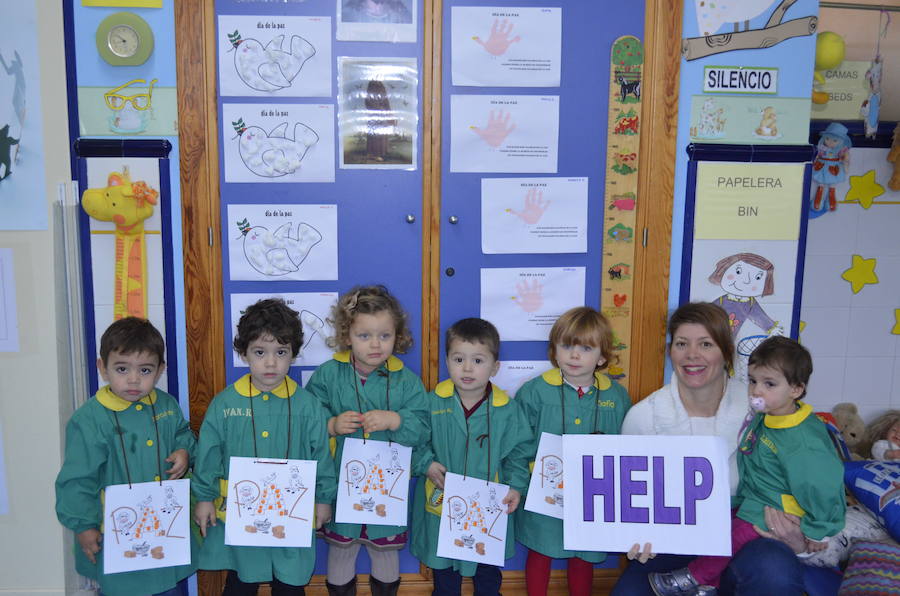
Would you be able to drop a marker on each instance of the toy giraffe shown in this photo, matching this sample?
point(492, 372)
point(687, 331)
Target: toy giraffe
point(127, 204)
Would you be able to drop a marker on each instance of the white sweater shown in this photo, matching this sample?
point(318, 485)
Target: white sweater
point(662, 413)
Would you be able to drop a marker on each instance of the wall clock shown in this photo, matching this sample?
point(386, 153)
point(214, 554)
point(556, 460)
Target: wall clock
point(124, 39)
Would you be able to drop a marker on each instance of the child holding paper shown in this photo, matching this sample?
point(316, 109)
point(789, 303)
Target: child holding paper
point(575, 398)
point(128, 411)
point(786, 461)
point(264, 414)
point(476, 431)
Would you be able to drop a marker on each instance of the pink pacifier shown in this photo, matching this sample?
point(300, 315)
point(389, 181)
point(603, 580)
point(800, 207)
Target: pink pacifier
point(757, 404)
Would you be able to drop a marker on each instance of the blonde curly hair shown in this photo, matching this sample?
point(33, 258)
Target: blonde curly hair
point(367, 300)
point(878, 430)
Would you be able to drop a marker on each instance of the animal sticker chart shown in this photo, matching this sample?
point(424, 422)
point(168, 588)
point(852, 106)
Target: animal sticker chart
point(504, 133)
point(146, 526)
point(282, 242)
point(274, 56)
point(514, 373)
point(545, 489)
point(270, 502)
point(749, 119)
point(381, 20)
point(314, 308)
point(278, 142)
point(473, 520)
point(534, 215)
point(378, 112)
point(373, 484)
point(506, 46)
point(524, 303)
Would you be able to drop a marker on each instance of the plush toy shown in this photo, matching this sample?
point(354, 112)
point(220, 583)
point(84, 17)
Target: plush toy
point(859, 524)
point(883, 437)
point(852, 427)
point(830, 50)
point(894, 157)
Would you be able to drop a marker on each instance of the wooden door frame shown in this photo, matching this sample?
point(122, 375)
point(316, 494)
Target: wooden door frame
point(195, 39)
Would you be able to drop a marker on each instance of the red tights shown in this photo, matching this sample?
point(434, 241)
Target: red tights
point(580, 575)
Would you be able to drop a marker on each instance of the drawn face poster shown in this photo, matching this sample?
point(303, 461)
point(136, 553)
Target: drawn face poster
point(506, 47)
point(377, 20)
point(545, 490)
point(278, 142)
point(504, 133)
point(473, 520)
point(524, 303)
point(270, 502)
point(274, 56)
point(534, 215)
point(373, 485)
point(146, 526)
point(314, 309)
point(23, 205)
point(282, 242)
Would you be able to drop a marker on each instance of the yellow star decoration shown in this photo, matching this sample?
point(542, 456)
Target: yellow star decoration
point(864, 189)
point(859, 274)
point(802, 326)
point(896, 329)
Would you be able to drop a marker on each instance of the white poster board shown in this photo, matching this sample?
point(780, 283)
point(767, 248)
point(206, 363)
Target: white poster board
point(373, 486)
point(671, 491)
point(514, 373)
point(146, 526)
point(473, 520)
point(270, 502)
point(545, 489)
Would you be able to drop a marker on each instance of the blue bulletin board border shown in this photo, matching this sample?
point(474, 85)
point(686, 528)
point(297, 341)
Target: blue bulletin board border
point(698, 152)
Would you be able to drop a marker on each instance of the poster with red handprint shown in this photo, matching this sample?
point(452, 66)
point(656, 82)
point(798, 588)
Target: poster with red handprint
point(504, 133)
point(523, 303)
point(505, 46)
point(534, 215)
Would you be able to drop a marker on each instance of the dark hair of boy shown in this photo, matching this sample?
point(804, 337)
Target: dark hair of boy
point(269, 318)
point(130, 335)
point(474, 331)
point(788, 356)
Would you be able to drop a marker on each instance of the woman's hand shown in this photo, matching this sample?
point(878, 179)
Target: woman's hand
point(784, 527)
point(641, 556)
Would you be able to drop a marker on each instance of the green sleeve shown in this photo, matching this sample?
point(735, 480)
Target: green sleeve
point(816, 481)
point(318, 386)
point(423, 453)
point(184, 437)
point(413, 411)
point(517, 439)
point(209, 466)
point(326, 480)
point(623, 404)
point(526, 398)
point(79, 481)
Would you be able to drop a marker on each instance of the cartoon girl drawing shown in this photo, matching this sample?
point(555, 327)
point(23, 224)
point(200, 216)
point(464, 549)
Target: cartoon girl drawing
point(831, 163)
point(745, 277)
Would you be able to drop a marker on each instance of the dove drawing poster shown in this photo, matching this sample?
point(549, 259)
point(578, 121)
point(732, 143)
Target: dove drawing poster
point(534, 215)
point(314, 309)
point(278, 142)
point(504, 133)
point(274, 56)
point(473, 520)
point(506, 46)
point(523, 303)
point(282, 242)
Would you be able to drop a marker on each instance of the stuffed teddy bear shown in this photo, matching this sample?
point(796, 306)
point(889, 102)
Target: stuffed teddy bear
point(852, 427)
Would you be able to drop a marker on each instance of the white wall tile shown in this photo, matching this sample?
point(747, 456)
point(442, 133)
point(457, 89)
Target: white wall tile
point(887, 291)
point(870, 333)
point(825, 334)
point(833, 233)
point(822, 282)
point(826, 387)
point(868, 380)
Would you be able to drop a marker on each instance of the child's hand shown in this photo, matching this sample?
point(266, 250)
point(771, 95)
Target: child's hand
point(641, 556)
point(512, 499)
point(436, 472)
point(892, 454)
point(205, 515)
point(345, 423)
point(179, 460)
point(814, 546)
point(323, 514)
point(89, 541)
point(375, 420)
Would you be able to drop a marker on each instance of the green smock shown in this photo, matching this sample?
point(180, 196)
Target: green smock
point(228, 431)
point(94, 460)
point(451, 435)
point(789, 463)
point(540, 398)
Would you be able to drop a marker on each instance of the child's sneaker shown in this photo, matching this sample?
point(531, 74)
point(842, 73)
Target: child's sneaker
point(678, 583)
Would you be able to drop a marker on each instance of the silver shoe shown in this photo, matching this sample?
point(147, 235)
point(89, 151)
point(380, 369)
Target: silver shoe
point(678, 583)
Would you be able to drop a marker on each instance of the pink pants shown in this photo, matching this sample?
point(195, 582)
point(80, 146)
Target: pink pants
point(707, 570)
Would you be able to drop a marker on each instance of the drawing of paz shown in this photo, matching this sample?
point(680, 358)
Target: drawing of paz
point(745, 277)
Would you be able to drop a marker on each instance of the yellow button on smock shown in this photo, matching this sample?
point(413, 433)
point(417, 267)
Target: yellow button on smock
point(365, 435)
point(266, 397)
point(578, 421)
point(265, 433)
point(149, 442)
point(139, 407)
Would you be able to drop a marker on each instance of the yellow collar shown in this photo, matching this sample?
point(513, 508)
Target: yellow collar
point(111, 401)
point(789, 420)
point(554, 377)
point(393, 363)
point(246, 388)
point(446, 389)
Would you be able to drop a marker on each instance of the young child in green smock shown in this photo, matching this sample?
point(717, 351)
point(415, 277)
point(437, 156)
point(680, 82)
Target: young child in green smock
point(476, 431)
point(130, 411)
point(263, 414)
point(368, 394)
point(574, 398)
